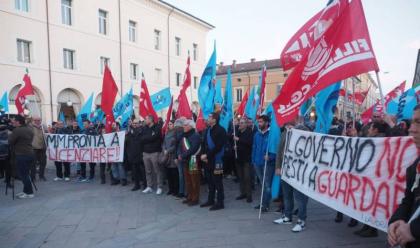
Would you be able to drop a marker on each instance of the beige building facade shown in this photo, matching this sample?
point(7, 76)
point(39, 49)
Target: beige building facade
point(65, 44)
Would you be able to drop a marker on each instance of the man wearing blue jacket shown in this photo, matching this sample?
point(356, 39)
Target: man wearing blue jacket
point(260, 158)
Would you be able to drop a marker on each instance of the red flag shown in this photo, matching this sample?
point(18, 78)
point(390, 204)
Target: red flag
point(168, 117)
point(360, 97)
point(25, 90)
point(262, 90)
point(241, 109)
point(200, 123)
point(310, 32)
point(145, 105)
point(184, 109)
point(109, 92)
point(343, 51)
point(187, 76)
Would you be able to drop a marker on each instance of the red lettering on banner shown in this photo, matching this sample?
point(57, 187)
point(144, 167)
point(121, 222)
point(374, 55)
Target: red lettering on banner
point(331, 194)
point(102, 152)
point(95, 155)
point(110, 154)
point(383, 187)
point(322, 188)
point(398, 190)
point(365, 182)
point(342, 187)
point(352, 189)
point(60, 155)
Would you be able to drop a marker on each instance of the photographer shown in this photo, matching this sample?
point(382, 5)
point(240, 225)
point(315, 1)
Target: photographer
point(5, 169)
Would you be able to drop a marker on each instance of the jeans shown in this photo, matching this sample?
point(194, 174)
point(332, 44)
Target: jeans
point(269, 173)
point(24, 163)
point(181, 178)
point(289, 197)
point(118, 171)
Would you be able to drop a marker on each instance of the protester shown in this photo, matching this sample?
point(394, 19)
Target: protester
point(39, 147)
point(404, 226)
point(134, 152)
point(190, 147)
point(5, 165)
point(119, 174)
point(88, 129)
point(168, 159)
point(179, 133)
point(60, 129)
point(151, 149)
point(263, 161)
point(244, 140)
point(20, 141)
point(214, 142)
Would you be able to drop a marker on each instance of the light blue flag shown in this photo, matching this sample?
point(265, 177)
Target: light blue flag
point(403, 106)
point(304, 109)
point(4, 104)
point(161, 99)
point(251, 105)
point(227, 109)
point(206, 90)
point(218, 98)
point(123, 109)
point(325, 102)
point(62, 118)
point(84, 113)
point(97, 116)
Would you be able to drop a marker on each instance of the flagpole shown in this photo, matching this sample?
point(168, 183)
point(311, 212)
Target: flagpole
point(354, 106)
point(344, 106)
point(263, 182)
point(380, 91)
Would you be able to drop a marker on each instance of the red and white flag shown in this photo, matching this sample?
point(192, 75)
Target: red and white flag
point(109, 92)
point(307, 36)
point(241, 109)
point(145, 104)
point(359, 97)
point(200, 123)
point(168, 117)
point(24, 91)
point(184, 109)
point(343, 51)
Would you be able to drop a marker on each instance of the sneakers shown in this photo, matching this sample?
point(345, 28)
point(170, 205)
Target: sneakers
point(82, 179)
point(283, 220)
point(159, 191)
point(148, 190)
point(67, 179)
point(58, 179)
point(24, 196)
point(300, 226)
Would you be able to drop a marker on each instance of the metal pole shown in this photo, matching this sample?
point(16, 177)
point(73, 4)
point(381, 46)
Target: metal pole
point(354, 106)
point(49, 61)
point(120, 43)
point(344, 106)
point(263, 182)
point(380, 91)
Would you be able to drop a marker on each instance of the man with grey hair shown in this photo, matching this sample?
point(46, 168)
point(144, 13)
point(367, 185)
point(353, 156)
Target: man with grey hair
point(38, 144)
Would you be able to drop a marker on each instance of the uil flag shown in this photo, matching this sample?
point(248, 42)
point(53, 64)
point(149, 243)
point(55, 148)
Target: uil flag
point(161, 99)
point(206, 90)
point(226, 114)
point(145, 105)
point(241, 108)
point(251, 107)
point(218, 98)
point(85, 112)
point(123, 109)
point(326, 101)
point(4, 104)
point(310, 33)
point(343, 51)
point(403, 106)
point(109, 92)
point(25, 91)
point(168, 117)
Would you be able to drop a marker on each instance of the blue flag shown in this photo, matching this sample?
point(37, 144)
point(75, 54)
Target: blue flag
point(161, 99)
point(227, 108)
point(62, 118)
point(403, 106)
point(251, 106)
point(206, 90)
point(325, 102)
point(304, 109)
point(84, 113)
point(4, 104)
point(123, 109)
point(218, 98)
point(97, 116)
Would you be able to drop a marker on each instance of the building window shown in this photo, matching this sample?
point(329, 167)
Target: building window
point(104, 61)
point(177, 46)
point(24, 51)
point(239, 95)
point(158, 75)
point(66, 12)
point(157, 39)
point(68, 59)
point(195, 82)
point(133, 71)
point(239, 79)
point(278, 88)
point(285, 74)
point(103, 21)
point(22, 5)
point(132, 31)
point(195, 52)
point(178, 79)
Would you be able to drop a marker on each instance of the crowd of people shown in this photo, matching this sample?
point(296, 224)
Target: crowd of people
point(185, 159)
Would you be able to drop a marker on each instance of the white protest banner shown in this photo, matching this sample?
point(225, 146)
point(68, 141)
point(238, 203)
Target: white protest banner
point(103, 148)
point(363, 178)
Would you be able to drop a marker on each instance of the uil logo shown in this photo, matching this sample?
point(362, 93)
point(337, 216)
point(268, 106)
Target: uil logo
point(317, 58)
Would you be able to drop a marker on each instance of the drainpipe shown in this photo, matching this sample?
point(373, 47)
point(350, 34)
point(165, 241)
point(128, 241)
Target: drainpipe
point(120, 43)
point(169, 54)
point(49, 62)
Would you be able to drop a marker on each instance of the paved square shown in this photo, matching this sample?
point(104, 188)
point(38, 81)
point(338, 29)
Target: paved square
point(72, 214)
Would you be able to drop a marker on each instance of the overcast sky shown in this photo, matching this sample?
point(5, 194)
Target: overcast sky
point(248, 29)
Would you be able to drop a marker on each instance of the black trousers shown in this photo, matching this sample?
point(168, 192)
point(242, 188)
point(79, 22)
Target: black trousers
point(59, 167)
point(41, 159)
point(135, 172)
point(91, 171)
point(229, 164)
point(173, 180)
point(6, 169)
point(102, 168)
point(215, 184)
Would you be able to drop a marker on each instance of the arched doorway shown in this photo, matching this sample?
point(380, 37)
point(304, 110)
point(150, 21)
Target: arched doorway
point(69, 103)
point(33, 105)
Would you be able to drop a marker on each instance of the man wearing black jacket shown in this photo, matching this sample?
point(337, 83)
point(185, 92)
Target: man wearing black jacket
point(404, 226)
point(214, 142)
point(134, 153)
point(243, 140)
point(152, 146)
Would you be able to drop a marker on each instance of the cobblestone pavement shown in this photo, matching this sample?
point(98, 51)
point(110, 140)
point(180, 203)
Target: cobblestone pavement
point(72, 214)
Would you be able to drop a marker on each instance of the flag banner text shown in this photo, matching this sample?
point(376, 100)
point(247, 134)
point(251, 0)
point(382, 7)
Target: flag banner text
point(363, 178)
point(104, 148)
